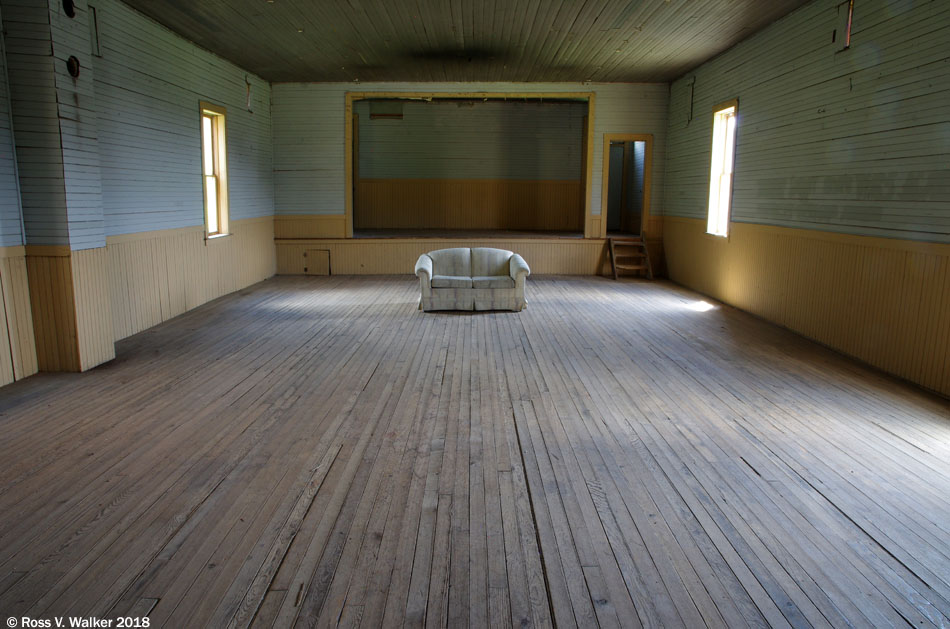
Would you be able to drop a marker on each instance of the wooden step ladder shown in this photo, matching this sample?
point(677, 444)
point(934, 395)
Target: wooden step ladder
point(629, 253)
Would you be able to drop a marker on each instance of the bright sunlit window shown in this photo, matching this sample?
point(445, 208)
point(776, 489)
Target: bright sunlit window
point(720, 173)
point(214, 169)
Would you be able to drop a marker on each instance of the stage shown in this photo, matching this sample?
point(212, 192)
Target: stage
point(394, 252)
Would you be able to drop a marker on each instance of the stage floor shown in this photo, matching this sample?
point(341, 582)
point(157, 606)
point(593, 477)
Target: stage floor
point(461, 233)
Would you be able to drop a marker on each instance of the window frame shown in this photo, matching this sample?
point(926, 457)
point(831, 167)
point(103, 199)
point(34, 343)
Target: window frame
point(719, 216)
point(219, 156)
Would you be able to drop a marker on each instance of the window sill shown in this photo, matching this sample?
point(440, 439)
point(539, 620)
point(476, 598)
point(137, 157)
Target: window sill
point(214, 237)
point(717, 237)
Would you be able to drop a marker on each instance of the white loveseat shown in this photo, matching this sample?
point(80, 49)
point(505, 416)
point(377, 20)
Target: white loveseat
point(479, 278)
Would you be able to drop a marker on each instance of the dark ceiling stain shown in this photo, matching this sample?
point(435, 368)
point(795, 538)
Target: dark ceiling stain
point(468, 55)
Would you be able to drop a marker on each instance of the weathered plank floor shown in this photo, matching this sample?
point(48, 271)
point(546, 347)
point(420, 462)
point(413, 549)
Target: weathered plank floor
point(318, 451)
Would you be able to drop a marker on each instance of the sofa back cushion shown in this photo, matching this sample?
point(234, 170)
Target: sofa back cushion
point(454, 262)
point(487, 262)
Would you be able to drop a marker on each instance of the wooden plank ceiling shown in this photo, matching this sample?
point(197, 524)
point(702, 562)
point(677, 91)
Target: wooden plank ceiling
point(466, 40)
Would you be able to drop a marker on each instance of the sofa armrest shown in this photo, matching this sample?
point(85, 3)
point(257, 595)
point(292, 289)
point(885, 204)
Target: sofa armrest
point(424, 269)
point(518, 268)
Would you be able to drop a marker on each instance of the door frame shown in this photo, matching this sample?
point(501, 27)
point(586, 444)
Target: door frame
point(646, 138)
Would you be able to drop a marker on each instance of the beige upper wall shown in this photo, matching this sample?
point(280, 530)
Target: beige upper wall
point(308, 124)
point(854, 141)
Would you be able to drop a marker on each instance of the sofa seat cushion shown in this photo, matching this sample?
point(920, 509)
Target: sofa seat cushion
point(493, 281)
point(451, 281)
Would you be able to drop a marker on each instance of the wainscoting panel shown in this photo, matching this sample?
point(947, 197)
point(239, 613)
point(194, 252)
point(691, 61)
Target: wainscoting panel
point(310, 225)
point(155, 276)
point(392, 256)
point(94, 330)
point(884, 301)
point(53, 307)
point(469, 204)
point(17, 347)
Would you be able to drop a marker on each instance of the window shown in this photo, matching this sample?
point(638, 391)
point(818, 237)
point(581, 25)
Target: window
point(214, 169)
point(720, 174)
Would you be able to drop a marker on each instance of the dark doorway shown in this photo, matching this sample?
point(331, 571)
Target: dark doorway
point(625, 186)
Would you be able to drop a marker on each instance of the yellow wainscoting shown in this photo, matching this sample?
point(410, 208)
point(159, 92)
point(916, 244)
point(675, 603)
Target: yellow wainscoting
point(69, 296)
point(884, 301)
point(155, 276)
point(76, 304)
point(17, 346)
point(653, 227)
point(53, 307)
point(653, 234)
point(94, 329)
point(469, 204)
point(395, 256)
point(310, 226)
point(657, 256)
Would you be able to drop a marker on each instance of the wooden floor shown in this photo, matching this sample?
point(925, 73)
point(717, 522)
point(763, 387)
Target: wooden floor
point(316, 450)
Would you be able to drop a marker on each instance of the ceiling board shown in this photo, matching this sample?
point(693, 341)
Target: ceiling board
point(467, 40)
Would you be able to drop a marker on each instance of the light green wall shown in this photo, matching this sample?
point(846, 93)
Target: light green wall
point(148, 85)
point(10, 229)
point(309, 120)
point(854, 141)
point(473, 140)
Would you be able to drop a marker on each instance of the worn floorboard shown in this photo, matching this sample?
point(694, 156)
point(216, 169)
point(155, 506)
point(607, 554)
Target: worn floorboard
point(316, 451)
